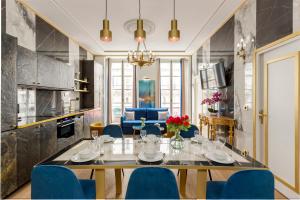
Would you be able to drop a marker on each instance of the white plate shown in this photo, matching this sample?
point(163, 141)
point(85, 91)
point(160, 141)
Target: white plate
point(197, 140)
point(227, 159)
point(159, 156)
point(76, 157)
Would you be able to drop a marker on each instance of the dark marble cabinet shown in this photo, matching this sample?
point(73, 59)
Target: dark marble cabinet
point(28, 152)
point(79, 127)
point(8, 162)
point(26, 67)
point(8, 83)
point(48, 139)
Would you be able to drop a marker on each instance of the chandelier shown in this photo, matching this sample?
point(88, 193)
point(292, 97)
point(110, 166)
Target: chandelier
point(139, 57)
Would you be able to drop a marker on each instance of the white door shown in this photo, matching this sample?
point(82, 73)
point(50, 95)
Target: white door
point(281, 118)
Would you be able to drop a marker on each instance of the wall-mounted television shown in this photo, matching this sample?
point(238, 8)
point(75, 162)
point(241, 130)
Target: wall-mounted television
point(213, 77)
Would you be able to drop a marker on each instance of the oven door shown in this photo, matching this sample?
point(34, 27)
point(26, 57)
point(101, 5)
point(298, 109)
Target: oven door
point(65, 128)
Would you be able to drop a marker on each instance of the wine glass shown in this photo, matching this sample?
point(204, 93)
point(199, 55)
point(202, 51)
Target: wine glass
point(220, 142)
point(143, 134)
point(94, 134)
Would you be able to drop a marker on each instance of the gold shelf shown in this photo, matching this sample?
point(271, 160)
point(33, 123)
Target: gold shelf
point(81, 81)
point(81, 90)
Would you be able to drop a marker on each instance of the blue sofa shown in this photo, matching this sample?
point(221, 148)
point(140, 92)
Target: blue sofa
point(151, 115)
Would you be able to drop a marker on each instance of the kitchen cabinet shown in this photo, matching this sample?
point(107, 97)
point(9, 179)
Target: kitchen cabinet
point(79, 127)
point(8, 83)
point(26, 67)
point(48, 139)
point(48, 71)
point(8, 163)
point(67, 76)
point(28, 152)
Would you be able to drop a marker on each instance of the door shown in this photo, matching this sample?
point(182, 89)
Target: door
point(48, 72)
point(48, 139)
point(26, 67)
point(280, 118)
point(66, 76)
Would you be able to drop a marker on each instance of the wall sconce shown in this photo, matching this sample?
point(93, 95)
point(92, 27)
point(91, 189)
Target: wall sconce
point(241, 52)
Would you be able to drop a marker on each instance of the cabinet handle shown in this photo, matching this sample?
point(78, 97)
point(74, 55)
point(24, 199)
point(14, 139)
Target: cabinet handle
point(38, 83)
point(33, 82)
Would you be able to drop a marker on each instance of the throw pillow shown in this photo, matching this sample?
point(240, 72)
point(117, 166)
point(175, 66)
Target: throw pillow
point(129, 115)
point(162, 115)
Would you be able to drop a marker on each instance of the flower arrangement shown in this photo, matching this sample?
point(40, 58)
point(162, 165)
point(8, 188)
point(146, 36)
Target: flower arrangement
point(177, 123)
point(216, 97)
point(143, 119)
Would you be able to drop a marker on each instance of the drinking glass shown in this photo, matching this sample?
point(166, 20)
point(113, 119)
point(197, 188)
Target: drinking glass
point(196, 132)
point(220, 142)
point(94, 134)
point(143, 134)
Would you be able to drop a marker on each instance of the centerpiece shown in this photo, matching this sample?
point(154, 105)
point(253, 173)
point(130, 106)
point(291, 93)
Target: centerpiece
point(175, 125)
point(211, 102)
point(143, 119)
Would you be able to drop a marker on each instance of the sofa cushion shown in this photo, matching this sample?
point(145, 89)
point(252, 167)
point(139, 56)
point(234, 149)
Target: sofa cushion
point(152, 113)
point(129, 115)
point(130, 123)
point(154, 122)
point(162, 115)
point(138, 112)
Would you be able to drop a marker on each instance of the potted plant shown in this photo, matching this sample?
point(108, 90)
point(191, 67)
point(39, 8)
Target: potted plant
point(211, 102)
point(175, 125)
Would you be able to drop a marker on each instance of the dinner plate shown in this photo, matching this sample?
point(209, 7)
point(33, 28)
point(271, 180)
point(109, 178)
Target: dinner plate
point(158, 157)
point(226, 160)
point(108, 139)
point(76, 157)
point(197, 140)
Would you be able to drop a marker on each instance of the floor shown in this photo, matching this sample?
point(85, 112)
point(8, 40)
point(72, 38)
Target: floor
point(24, 192)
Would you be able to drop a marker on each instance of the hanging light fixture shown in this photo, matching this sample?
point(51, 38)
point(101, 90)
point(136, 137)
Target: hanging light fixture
point(140, 57)
point(139, 33)
point(105, 33)
point(174, 33)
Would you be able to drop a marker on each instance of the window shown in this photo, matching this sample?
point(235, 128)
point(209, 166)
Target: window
point(121, 88)
point(170, 86)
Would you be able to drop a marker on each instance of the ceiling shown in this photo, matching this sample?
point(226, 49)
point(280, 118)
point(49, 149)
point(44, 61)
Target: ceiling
point(82, 20)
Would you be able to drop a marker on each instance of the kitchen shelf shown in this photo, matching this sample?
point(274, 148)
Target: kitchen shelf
point(83, 91)
point(80, 81)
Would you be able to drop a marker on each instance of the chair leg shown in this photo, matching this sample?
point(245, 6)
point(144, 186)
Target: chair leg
point(123, 172)
point(178, 172)
point(209, 173)
point(92, 173)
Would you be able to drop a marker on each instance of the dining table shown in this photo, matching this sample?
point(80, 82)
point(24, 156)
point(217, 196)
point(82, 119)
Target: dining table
point(122, 153)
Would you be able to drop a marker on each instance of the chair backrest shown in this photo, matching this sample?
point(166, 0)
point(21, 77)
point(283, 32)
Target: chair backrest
point(152, 129)
point(55, 182)
point(189, 133)
point(250, 184)
point(113, 130)
point(152, 183)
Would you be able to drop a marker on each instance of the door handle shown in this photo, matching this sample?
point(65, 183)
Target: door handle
point(261, 116)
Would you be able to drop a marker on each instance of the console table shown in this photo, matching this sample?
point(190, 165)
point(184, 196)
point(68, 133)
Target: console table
point(213, 121)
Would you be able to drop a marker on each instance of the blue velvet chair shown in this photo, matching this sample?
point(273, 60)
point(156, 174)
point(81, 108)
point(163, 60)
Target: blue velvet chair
point(57, 182)
point(247, 184)
point(152, 183)
point(113, 130)
point(152, 129)
point(189, 133)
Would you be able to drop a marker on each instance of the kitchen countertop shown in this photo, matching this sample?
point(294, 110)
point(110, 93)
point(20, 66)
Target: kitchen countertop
point(35, 120)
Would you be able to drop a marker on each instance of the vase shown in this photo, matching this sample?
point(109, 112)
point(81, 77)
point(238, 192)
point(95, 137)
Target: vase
point(177, 141)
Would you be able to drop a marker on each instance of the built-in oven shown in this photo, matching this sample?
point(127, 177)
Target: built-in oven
point(66, 127)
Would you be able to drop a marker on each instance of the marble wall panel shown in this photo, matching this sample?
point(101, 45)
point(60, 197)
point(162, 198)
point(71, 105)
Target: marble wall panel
point(245, 28)
point(51, 42)
point(296, 15)
point(274, 20)
point(20, 22)
point(8, 162)
point(3, 16)
point(46, 103)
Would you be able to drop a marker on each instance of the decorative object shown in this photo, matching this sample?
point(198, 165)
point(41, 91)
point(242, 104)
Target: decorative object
point(175, 125)
point(143, 119)
point(146, 93)
point(216, 97)
point(140, 57)
point(241, 46)
point(174, 33)
point(162, 115)
point(105, 33)
point(139, 33)
point(129, 115)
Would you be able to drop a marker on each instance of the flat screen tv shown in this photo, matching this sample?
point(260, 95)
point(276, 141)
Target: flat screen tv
point(213, 77)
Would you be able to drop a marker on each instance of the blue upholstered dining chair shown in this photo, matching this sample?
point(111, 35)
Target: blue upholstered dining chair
point(152, 183)
point(189, 133)
point(57, 182)
point(247, 184)
point(152, 129)
point(113, 130)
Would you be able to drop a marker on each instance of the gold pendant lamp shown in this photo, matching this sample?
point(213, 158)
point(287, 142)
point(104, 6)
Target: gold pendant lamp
point(105, 33)
point(139, 33)
point(174, 33)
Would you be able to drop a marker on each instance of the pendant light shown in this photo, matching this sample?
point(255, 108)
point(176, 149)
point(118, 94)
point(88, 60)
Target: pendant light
point(105, 33)
point(139, 33)
point(174, 33)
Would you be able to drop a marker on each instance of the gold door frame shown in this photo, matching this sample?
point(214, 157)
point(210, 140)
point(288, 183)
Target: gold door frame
point(296, 57)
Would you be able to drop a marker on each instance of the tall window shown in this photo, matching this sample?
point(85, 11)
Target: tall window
point(170, 85)
point(121, 88)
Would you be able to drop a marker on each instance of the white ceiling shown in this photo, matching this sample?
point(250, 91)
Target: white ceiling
point(82, 20)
